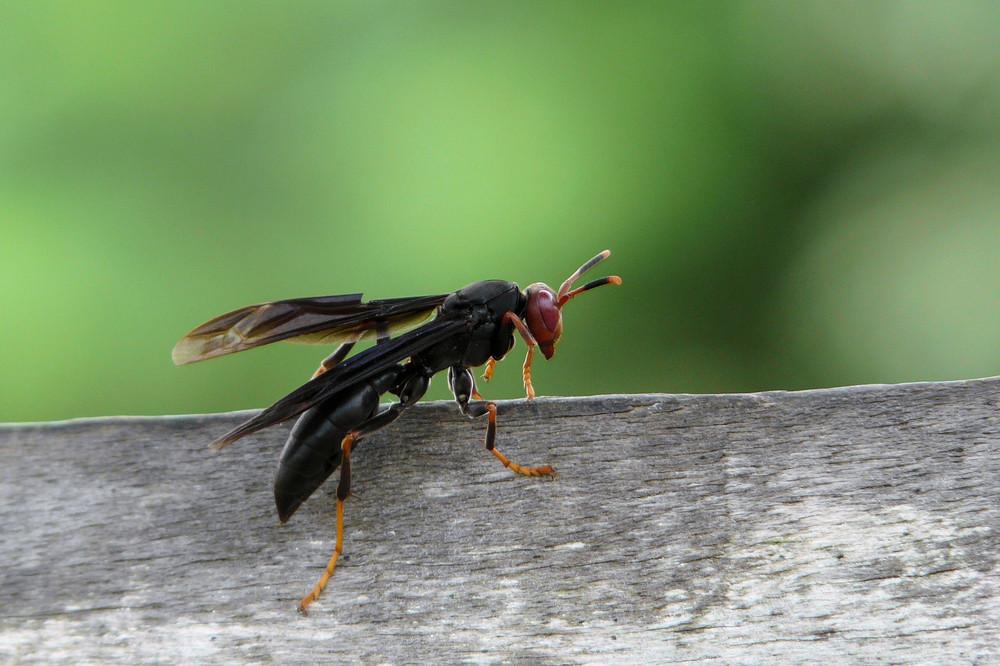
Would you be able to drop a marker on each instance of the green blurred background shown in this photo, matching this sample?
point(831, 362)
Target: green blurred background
point(797, 194)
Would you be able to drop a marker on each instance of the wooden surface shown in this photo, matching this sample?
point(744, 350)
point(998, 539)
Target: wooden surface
point(846, 525)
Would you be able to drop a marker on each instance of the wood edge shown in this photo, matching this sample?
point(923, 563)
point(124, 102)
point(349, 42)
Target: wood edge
point(624, 399)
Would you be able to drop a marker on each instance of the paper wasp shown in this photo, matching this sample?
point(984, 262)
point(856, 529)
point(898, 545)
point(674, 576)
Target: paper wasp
point(340, 404)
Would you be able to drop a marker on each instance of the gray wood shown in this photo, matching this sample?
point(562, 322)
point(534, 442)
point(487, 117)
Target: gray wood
point(844, 525)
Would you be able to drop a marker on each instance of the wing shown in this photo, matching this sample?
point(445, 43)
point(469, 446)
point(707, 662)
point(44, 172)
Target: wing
point(357, 368)
point(321, 320)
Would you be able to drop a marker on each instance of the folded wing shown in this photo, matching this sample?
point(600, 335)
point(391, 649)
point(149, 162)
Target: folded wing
point(357, 368)
point(320, 320)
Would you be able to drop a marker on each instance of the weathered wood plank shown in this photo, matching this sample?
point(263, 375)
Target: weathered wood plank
point(856, 524)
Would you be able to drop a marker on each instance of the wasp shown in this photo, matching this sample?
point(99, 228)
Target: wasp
point(339, 405)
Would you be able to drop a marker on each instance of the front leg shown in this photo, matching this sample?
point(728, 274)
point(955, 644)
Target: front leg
point(463, 386)
point(529, 340)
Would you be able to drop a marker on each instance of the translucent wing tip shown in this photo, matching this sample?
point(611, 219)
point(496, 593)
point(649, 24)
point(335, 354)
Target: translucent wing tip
point(199, 346)
point(184, 352)
point(189, 350)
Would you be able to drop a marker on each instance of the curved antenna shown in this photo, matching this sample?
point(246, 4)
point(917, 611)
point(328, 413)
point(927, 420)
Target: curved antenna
point(601, 256)
point(611, 279)
point(564, 290)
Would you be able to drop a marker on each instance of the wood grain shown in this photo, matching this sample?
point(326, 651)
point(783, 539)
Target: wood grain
point(842, 525)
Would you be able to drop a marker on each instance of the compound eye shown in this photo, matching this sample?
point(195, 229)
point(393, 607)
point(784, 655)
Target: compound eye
point(548, 308)
point(544, 318)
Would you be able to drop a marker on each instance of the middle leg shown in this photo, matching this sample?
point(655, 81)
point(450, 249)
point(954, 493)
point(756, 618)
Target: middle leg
point(464, 388)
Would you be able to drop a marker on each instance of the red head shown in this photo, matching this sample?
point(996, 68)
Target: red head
point(544, 312)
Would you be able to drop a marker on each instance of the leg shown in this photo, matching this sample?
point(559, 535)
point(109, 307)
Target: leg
point(463, 386)
point(491, 434)
point(343, 492)
point(333, 359)
point(491, 365)
point(412, 390)
point(338, 355)
point(529, 340)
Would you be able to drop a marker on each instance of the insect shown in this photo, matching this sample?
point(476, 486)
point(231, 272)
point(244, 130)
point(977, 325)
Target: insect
point(340, 404)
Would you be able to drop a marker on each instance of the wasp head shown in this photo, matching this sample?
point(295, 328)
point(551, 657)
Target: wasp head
point(544, 317)
point(543, 314)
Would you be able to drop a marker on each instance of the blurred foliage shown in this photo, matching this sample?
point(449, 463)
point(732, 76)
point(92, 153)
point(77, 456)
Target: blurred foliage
point(797, 194)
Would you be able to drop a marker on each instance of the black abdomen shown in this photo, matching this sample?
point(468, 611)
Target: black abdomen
point(313, 451)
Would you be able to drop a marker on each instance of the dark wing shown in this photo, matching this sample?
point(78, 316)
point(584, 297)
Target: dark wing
point(321, 320)
point(357, 368)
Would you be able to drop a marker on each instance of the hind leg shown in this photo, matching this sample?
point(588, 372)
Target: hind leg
point(411, 392)
point(343, 492)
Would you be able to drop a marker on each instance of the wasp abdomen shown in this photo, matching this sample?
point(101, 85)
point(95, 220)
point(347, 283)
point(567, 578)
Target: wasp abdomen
point(312, 451)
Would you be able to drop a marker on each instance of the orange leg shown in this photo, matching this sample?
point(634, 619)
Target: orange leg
point(491, 435)
point(463, 386)
point(333, 359)
point(529, 340)
point(526, 374)
point(491, 365)
point(343, 492)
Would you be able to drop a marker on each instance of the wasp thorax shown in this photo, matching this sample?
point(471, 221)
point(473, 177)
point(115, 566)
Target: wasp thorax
point(543, 317)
